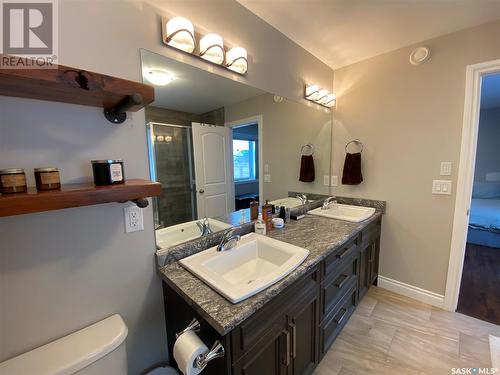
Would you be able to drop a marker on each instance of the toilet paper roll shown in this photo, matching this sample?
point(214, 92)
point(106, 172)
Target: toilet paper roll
point(186, 348)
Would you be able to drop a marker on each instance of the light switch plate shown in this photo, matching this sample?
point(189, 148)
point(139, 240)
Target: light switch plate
point(335, 181)
point(326, 180)
point(445, 169)
point(133, 219)
point(267, 178)
point(266, 168)
point(442, 187)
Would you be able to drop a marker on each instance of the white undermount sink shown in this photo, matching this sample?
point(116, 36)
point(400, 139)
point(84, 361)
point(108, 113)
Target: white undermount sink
point(289, 202)
point(345, 212)
point(176, 234)
point(254, 264)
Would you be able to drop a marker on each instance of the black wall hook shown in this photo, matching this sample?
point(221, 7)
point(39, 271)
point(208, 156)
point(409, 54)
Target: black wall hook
point(117, 114)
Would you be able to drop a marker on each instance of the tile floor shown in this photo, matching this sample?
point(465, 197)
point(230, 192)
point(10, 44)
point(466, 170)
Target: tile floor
point(391, 334)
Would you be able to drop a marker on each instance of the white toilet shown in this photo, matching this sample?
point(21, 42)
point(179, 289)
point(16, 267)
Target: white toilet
point(98, 349)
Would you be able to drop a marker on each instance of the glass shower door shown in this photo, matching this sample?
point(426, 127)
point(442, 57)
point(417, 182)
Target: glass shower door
point(171, 163)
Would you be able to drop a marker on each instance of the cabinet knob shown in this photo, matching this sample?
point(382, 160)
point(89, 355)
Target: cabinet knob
point(201, 191)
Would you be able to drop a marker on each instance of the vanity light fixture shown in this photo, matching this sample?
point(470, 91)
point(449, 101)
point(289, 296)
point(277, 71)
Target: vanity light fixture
point(320, 96)
point(236, 60)
point(212, 48)
point(179, 34)
point(159, 77)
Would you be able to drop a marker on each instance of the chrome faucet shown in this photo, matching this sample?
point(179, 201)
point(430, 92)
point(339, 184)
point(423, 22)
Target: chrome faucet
point(328, 202)
point(229, 240)
point(204, 226)
point(302, 197)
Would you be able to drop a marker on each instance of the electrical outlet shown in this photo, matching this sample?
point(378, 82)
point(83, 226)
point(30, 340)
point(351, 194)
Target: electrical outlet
point(133, 219)
point(326, 180)
point(335, 181)
point(445, 169)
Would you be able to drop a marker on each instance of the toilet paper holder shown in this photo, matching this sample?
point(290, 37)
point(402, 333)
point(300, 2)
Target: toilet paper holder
point(216, 351)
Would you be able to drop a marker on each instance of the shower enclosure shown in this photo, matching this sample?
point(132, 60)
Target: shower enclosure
point(170, 153)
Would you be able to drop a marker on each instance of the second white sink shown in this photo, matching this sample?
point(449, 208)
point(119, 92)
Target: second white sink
point(345, 212)
point(254, 264)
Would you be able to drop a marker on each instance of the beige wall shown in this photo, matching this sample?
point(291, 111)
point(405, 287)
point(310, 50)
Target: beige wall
point(288, 126)
point(410, 119)
point(62, 270)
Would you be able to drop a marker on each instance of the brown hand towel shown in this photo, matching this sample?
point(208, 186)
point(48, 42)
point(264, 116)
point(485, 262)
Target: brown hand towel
point(352, 169)
point(306, 168)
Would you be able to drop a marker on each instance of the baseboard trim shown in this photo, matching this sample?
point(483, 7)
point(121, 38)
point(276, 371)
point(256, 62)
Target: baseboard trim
point(411, 291)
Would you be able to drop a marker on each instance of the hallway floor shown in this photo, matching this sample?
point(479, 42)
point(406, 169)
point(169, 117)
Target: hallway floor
point(391, 334)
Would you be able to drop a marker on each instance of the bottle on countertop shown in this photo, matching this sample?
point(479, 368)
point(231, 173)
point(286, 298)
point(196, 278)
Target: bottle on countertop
point(267, 215)
point(254, 210)
point(260, 226)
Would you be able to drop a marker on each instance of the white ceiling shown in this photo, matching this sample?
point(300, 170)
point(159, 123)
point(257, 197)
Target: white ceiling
point(490, 91)
point(194, 90)
point(342, 32)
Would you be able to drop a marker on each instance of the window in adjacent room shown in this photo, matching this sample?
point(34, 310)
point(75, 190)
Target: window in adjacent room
point(244, 160)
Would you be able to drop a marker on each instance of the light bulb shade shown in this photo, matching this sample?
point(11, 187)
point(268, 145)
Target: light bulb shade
point(180, 34)
point(212, 48)
point(330, 101)
point(321, 95)
point(236, 60)
point(312, 92)
point(158, 77)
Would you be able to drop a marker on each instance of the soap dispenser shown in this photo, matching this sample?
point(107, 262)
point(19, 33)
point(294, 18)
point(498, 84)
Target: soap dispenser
point(260, 226)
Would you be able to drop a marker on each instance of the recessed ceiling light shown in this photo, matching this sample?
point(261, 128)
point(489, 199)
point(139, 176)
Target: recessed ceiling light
point(159, 77)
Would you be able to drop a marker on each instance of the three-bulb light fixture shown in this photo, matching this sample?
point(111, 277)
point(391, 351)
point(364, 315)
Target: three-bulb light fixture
point(320, 96)
point(179, 33)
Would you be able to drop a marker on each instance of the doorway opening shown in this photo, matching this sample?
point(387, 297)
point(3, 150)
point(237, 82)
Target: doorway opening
point(479, 292)
point(473, 277)
point(246, 151)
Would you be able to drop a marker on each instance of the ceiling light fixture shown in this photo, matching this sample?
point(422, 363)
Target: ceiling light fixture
point(159, 77)
point(212, 48)
point(179, 33)
point(236, 60)
point(320, 96)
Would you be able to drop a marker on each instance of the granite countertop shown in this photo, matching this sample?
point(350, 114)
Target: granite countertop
point(321, 236)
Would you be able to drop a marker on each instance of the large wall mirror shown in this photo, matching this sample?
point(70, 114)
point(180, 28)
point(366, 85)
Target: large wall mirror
point(216, 145)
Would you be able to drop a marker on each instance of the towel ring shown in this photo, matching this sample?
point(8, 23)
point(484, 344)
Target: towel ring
point(355, 141)
point(306, 147)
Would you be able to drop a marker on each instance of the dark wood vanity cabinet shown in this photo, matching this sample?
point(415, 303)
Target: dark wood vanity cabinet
point(291, 333)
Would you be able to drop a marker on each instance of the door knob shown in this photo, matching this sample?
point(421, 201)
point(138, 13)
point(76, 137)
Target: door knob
point(201, 191)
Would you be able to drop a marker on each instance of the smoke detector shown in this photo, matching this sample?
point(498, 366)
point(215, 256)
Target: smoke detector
point(419, 55)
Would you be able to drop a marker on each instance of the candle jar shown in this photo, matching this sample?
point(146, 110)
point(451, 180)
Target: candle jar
point(108, 172)
point(12, 180)
point(47, 179)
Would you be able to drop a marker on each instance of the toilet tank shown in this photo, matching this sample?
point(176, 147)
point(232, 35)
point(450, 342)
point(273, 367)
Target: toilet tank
point(95, 350)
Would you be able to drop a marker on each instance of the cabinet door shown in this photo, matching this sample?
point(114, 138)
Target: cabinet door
point(364, 269)
point(271, 356)
point(303, 326)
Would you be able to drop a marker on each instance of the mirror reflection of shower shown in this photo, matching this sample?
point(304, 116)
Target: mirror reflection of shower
point(171, 164)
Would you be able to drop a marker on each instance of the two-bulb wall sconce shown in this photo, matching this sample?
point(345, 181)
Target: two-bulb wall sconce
point(179, 33)
point(320, 96)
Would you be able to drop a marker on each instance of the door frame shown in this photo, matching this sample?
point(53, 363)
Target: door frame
point(259, 120)
point(470, 129)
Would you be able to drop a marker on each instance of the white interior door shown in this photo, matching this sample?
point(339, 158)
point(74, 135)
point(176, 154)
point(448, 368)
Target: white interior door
point(212, 165)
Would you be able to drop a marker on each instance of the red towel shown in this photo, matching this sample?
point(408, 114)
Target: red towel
point(352, 169)
point(307, 168)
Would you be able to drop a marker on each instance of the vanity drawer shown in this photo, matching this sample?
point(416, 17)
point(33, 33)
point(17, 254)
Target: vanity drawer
point(338, 284)
point(371, 231)
point(331, 263)
point(338, 318)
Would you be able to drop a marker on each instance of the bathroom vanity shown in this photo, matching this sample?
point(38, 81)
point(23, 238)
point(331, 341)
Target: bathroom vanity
point(287, 328)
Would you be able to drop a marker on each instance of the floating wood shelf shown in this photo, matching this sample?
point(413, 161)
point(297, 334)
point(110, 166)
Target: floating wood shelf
point(76, 86)
point(76, 195)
